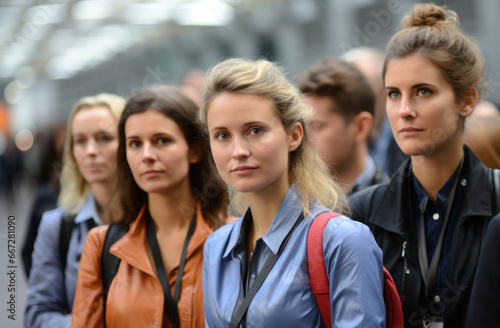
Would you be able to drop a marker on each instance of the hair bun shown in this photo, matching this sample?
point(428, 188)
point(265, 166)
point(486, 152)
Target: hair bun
point(429, 15)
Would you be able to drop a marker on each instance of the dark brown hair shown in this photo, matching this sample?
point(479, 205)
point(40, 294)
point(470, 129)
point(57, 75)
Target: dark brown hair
point(206, 184)
point(343, 83)
point(433, 32)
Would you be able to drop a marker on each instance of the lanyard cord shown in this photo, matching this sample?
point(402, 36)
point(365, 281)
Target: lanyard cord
point(429, 274)
point(170, 304)
point(241, 310)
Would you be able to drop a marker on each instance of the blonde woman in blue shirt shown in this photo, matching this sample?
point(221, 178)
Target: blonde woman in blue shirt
point(89, 162)
point(255, 119)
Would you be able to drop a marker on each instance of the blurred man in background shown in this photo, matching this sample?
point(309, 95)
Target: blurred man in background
point(343, 105)
point(383, 147)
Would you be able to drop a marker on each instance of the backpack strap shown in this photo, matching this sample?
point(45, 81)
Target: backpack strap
point(67, 224)
point(394, 310)
point(318, 278)
point(320, 285)
point(109, 262)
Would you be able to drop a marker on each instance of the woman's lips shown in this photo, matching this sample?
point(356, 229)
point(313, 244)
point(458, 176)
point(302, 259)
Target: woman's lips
point(151, 174)
point(94, 167)
point(410, 131)
point(242, 170)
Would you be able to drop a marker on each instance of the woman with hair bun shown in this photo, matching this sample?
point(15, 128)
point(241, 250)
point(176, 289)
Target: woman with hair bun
point(255, 119)
point(430, 219)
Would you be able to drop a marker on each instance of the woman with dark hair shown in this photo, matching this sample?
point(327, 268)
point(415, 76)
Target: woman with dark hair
point(172, 201)
point(431, 218)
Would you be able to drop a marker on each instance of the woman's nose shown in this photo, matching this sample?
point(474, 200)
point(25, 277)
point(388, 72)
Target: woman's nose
point(240, 148)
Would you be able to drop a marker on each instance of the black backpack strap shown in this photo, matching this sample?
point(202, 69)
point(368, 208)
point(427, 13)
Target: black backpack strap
point(67, 224)
point(109, 262)
point(496, 187)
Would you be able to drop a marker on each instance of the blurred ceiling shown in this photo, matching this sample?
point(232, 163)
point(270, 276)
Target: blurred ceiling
point(57, 39)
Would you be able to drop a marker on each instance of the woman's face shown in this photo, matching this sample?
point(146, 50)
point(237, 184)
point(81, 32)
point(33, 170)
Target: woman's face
point(249, 144)
point(425, 117)
point(157, 152)
point(95, 142)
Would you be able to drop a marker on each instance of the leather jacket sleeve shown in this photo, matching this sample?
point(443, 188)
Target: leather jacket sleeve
point(88, 304)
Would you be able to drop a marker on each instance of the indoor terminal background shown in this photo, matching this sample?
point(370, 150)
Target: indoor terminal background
point(53, 52)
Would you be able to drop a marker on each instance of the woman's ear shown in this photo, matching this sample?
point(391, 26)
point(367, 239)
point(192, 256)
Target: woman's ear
point(469, 102)
point(195, 152)
point(296, 135)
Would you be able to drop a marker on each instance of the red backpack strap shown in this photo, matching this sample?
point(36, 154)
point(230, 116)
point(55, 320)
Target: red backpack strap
point(320, 285)
point(394, 311)
point(318, 279)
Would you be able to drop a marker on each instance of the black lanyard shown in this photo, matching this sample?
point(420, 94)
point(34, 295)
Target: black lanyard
point(170, 304)
point(240, 311)
point(429, 274)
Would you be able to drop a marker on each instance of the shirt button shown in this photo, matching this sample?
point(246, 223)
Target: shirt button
point(435, 217)
point(463, 182)
point(437, 298)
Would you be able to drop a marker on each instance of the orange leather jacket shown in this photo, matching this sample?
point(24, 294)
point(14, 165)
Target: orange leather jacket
point(135, 297)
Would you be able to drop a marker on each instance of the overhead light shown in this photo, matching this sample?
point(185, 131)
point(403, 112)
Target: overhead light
point(148, 13)
point(46, 14)
point(86, 10)
point(209, 13)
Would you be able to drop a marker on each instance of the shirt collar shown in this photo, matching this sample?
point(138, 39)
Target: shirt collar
point(88, 211)
point(442, 195)
point(282, 223)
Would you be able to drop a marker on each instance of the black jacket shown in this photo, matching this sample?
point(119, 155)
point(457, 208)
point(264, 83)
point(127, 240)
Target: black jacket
point(383, 208)
point(484, 309)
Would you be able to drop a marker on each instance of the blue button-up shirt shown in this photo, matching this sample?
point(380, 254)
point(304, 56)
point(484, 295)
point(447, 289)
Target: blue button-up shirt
point(352, 258)
point(50, 290)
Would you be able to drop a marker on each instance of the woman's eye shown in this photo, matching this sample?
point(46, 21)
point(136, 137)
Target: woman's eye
point(134, 144)
point(424, 92)
point(222, 136)
point(163, 141)
point(255, 131)
point(80, 141)
point(104, 138)
point(393, 94)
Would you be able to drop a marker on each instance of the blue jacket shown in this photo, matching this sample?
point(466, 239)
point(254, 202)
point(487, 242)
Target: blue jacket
point(50, 290)
point(352, 259)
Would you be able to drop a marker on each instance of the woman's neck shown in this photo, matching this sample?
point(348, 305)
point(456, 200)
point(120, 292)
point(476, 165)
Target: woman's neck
point(264, 204)
point(432, 172)
point(171, 212)
point(102, 195)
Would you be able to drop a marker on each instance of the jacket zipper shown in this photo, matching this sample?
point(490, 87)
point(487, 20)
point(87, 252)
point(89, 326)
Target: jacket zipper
point(405, 267)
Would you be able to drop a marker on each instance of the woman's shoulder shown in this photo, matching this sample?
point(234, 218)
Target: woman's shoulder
point(346, 227)
point(98, 233)
point(51, 220)
point(341, 228)
point(223, 234)
point(495, 224)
